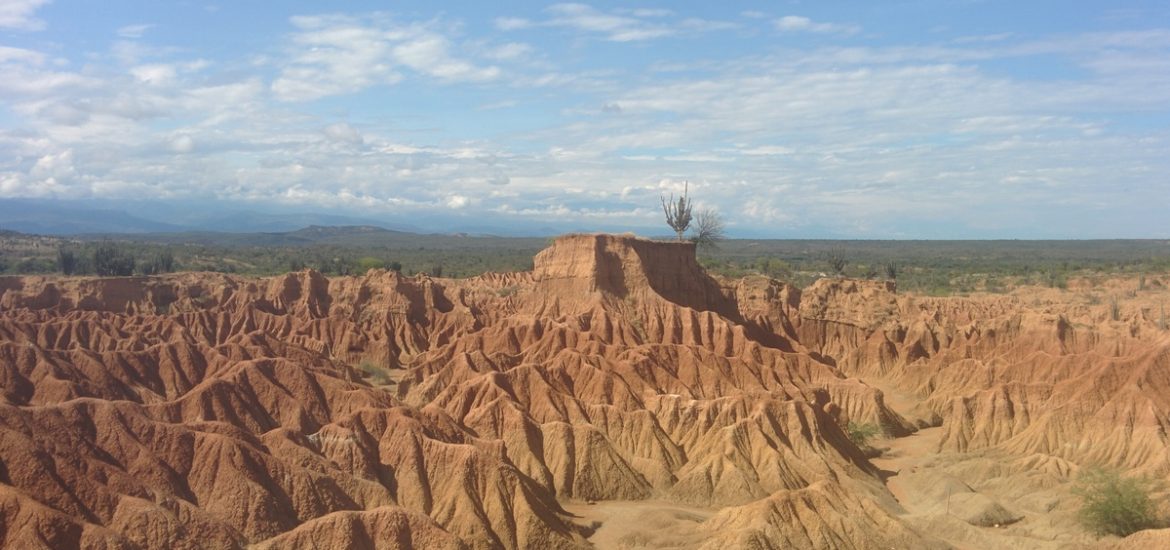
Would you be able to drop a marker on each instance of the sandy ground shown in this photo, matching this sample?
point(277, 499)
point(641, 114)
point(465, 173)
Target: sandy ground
point(916, 474)
point(921, 479)
point(907, 454)
point(639, 524)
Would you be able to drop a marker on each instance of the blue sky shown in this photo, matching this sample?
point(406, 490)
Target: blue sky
point(911, 119)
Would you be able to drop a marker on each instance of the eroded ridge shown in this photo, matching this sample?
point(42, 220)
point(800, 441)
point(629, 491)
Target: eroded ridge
point(386, 411)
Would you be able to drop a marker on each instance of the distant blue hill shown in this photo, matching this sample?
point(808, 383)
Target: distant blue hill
point(53, 218)
point(76, 217)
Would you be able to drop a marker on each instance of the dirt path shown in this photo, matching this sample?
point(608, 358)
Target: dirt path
point(639, 523)
point(907, 454)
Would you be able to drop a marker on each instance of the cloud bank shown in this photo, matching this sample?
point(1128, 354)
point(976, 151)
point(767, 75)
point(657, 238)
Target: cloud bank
point(575, 116)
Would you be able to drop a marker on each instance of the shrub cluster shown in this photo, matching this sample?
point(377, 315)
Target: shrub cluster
point(1115, 505)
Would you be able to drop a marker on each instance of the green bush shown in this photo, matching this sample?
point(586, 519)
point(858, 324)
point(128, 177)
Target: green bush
point(891, 270)
point(68, 261)
point(837, 260)
point(366, 263)
point(378, 375)
point(862, 433)
point(1114, 505)
point(159, 263)
point(110, 260)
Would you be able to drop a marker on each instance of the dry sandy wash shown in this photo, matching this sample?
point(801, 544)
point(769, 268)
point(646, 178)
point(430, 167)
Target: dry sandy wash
point(616, 396)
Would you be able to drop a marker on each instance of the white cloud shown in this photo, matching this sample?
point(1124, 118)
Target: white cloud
point(402, 149)
point(22, 55)
point(58, 165)
point(695, 24)
point(767, 150)
point(617, 28)
point(496, 105)
point(335, 55)
point(24, 81)
point(134, 31)
point(793, 23)
point(429, 54)
point(157, 74)
point(803, 24)
point(998, 37)
point(697, 157)
point(512, 23)
point(182, 144)
point(345, 133)
point(872, 135)
point(765, 212)
point(19, 15)
point(620, 25)
point(651, 12)
point(509, 51)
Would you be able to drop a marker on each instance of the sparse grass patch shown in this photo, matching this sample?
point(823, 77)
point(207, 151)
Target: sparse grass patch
point(993, 285)
point(377, 374)
point(1057, 279)
point(639, 329)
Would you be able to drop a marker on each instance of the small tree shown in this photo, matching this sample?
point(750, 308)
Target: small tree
point(161, 262)
point(678, 215)
point(709, 229)
point(67, 261)
point(1114, 505)
point(837, 261)
point(891, 270)
point(111, 261)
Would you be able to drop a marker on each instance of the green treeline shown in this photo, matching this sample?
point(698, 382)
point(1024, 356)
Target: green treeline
point(123, 258)
point(925, 267)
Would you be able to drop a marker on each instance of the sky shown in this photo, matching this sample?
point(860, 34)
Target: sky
point(860, 119)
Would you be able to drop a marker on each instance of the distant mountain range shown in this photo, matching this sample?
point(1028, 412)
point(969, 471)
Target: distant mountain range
point(41, 218)
point(109, 217)
point(71, 217)
point(61, 217)
point(346, 236)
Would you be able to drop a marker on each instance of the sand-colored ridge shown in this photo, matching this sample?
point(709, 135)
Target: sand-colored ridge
point(194, 409)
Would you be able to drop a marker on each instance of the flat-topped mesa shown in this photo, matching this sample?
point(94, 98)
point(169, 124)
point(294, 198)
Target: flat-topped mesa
point(624, 265)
